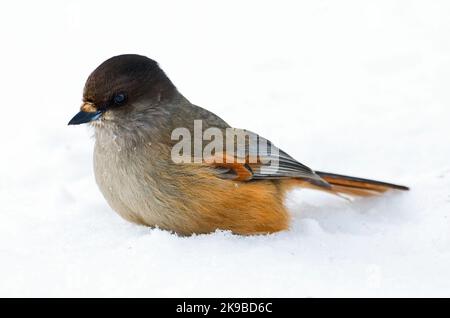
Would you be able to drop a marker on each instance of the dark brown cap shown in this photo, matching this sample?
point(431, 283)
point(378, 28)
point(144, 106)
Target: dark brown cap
point(131, 76)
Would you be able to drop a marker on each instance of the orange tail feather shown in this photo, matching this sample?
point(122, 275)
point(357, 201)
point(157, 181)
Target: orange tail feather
point(357, 186)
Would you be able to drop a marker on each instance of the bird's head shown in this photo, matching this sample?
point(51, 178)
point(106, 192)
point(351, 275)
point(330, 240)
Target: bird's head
point(121, 87)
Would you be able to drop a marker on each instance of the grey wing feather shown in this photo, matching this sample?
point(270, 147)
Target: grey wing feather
point(274, 163)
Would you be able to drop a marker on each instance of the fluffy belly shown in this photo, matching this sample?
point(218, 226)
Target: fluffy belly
point(191, 201)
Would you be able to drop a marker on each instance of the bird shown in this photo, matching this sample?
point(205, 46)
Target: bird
point(134, 109)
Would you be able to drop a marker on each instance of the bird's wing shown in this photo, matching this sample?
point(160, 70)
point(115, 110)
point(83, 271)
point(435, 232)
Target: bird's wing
point(257, 158)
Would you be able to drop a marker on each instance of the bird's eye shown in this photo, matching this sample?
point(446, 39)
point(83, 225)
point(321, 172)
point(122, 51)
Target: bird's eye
point(119, 99)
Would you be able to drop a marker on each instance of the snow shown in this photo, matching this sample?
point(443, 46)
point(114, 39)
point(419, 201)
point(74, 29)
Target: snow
point(346, 87)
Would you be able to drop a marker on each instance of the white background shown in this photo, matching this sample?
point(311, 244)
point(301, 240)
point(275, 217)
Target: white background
point(354, 87)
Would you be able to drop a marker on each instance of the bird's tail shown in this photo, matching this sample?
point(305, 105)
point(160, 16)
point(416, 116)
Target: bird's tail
point(353, 186)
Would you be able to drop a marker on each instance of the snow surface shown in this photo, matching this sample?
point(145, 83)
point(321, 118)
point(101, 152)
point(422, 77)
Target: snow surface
point(346, 87)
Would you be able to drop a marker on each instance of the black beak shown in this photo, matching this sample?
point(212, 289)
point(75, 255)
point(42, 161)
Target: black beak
point(85, 117)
